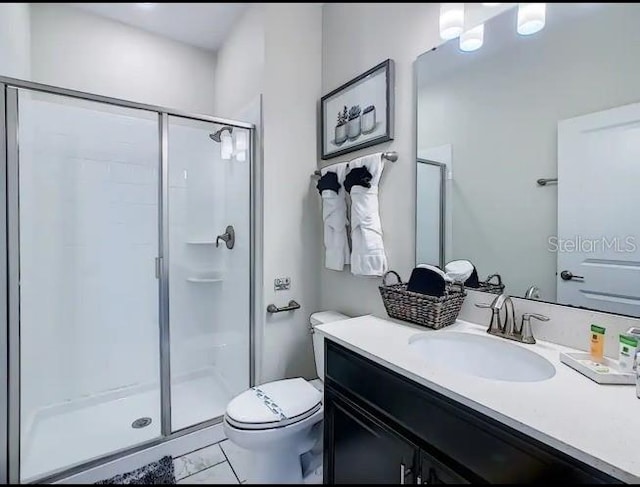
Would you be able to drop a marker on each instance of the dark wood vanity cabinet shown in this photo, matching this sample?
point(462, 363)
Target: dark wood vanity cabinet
point(381, 427)
point(364, 449)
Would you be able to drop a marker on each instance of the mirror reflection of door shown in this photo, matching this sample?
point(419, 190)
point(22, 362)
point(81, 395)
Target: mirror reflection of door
point(598, 219)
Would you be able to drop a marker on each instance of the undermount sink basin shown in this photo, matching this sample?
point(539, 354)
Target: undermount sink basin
point(481, 356)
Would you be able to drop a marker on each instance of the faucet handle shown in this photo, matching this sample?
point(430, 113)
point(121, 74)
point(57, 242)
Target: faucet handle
point(528, 316)
point(525, 327)
point(495, 325)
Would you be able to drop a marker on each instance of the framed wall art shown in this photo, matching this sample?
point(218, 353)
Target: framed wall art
point(359, 113)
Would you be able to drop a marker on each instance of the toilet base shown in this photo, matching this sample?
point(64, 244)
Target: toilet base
point(275, 453)
point(277, 467)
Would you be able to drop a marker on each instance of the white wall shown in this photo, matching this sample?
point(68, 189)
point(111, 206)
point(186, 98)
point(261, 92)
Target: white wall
point(275, 49)
point(15, 42)
point(78, 50)
point(291, 213)
point(356, 37)
point(240, 64)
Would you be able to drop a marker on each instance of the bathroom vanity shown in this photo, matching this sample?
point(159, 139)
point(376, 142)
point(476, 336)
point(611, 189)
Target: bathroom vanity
point(392, 418)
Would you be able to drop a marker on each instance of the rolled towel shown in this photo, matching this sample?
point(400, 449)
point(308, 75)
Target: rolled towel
point(463, 271)
point(473, 281)
point(437, 269)
point(358, 176)
point(329, 182)
point(427, 281)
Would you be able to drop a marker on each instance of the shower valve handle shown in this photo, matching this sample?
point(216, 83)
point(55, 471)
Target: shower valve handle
point(229, 237)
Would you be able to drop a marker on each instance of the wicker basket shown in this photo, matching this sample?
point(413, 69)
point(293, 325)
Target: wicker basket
point(496, 287)
point(421, 309)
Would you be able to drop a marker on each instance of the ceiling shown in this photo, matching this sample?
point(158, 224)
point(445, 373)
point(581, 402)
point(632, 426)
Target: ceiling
point(204, 25)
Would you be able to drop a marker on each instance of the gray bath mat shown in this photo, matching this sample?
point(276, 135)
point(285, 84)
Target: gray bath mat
point(160, 472)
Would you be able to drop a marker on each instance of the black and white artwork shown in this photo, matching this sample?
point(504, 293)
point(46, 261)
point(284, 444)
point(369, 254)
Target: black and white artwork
point(359, 113)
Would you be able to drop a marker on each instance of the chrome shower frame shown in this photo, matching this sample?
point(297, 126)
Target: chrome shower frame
point(10, 273)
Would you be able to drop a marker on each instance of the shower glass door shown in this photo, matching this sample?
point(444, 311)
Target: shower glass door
point(88, 209)
point(209, 283)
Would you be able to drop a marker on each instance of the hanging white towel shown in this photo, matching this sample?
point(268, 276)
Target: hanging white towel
point(367, 256)
point(334, 215)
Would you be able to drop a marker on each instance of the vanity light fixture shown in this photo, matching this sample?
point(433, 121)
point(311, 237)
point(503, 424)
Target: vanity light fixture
point(472, 39)
point(451, 20)
point(531, 17)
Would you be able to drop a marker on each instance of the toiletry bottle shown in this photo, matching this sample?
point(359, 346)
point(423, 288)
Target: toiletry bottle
point(628, 349)
point(597, 343)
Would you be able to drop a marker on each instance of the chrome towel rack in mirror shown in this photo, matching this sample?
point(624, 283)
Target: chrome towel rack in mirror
point(545, 181)
point(389, 156)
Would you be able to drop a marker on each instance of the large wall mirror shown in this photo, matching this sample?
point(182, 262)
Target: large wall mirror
point(529, 156)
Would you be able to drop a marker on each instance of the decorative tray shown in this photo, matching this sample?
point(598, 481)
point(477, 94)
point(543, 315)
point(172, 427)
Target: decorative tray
point(583, 363)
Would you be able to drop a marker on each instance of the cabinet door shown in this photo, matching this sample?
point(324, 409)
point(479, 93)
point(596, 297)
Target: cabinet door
point(361, 450)
point(434, 472)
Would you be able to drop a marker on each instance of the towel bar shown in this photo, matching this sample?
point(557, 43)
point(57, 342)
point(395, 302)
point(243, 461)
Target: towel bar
point(389, 156)
point(293, 305)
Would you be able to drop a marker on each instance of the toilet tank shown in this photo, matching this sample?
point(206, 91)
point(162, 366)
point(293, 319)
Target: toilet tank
point(320, 318)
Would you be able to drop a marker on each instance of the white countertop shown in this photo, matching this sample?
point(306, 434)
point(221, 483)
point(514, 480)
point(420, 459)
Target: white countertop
point(597, 424)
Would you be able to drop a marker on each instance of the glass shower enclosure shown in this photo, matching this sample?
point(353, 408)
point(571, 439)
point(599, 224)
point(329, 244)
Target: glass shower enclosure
point(127, 231)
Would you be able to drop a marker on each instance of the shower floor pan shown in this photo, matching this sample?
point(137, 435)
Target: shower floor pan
point(70, 435)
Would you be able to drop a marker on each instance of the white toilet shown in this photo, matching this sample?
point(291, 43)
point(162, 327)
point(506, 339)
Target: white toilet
point(280, 421)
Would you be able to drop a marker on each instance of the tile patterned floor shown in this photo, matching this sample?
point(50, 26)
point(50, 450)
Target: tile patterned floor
point(222, 463)
point(238, 458)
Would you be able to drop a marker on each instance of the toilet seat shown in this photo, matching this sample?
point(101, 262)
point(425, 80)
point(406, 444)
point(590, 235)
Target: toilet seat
point(274, 405)
point(271, 425)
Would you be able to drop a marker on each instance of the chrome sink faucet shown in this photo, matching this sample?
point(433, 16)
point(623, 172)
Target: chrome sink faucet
point(496, 325)
point(532, 293)
point(505, 327)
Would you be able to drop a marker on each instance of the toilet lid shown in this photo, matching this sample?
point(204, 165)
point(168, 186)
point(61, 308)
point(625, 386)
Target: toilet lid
point(274, 404)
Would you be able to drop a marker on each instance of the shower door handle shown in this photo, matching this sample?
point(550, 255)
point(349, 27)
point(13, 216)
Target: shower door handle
point(228, 237)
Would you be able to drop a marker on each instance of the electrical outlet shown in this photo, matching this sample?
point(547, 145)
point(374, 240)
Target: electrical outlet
point(282, 283)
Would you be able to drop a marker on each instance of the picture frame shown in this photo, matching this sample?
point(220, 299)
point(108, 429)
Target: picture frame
point(358, 114)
